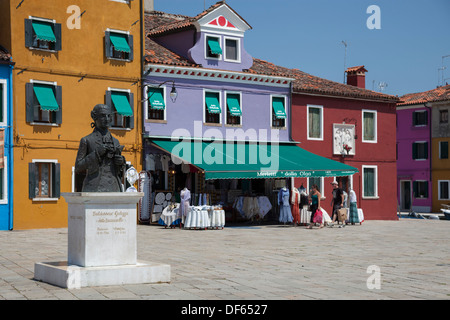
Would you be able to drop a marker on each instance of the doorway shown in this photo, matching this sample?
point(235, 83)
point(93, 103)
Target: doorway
point(405, 195)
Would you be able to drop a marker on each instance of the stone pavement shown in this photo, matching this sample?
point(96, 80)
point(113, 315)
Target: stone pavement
point(256, 263)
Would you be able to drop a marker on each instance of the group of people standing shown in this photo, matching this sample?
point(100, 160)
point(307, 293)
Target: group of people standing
point(290, 211)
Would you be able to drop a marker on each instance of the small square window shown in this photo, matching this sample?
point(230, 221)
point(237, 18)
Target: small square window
point(43, 102)
point(213, 48)
point(232, 51)
point(119, 45)
point(212, 108)
point(44, 179)
point(42, 34)
point(420, 118)
point(121, 103)
point(156, 103)
point(443, 116)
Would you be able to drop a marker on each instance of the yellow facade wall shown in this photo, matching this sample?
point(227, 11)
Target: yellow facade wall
point(440, 171)
point(84, 73)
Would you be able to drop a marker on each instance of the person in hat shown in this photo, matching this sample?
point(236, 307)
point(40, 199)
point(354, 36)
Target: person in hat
point(337, 201)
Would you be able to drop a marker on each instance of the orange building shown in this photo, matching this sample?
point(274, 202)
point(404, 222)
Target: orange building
point(70, 55)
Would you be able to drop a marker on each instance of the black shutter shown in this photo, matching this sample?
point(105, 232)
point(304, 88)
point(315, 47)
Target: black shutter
point(414, 151)
point(57, 31)
point(131, 119)
point(28, 33)
point(108, 100)
point(29, 98)
point(130, 44)
point(56, 180)
point(415, 189)
point(107, 45)
point(31, 180)
point(58, 95)
point(426, 150)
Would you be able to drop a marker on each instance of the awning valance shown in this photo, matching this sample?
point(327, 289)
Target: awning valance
point(43, 31)
point(241, 160)
point(233, 105)
point(156, 99)
point(46, 97)
point(212, 102)
point(214, 46)
point(278, 108)
point(121, 103)
point(120, 42)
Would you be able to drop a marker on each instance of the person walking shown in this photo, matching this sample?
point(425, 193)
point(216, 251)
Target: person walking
point(337, 201)
point(353, 208)
point(315, 205)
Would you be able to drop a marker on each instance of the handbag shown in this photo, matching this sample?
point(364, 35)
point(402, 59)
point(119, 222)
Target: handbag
point(317, 216)
point(342, 214)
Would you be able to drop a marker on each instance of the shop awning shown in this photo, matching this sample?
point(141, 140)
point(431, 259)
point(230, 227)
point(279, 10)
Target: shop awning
point(233, 105)
point(121, 103)
point(156, 99)
point(212, 102)
point(278, 108)
point(46, 97)
point(214, 46)
point(231, 160)
point(120, 42)
point(43, 31)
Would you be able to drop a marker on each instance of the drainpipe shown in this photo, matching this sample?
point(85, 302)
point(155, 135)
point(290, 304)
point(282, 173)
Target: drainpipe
point(141, 57)
point(428, 106)
point(290, 111)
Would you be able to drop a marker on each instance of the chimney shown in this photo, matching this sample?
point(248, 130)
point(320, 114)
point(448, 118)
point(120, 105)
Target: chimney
point(356, 76)
point(149, 6)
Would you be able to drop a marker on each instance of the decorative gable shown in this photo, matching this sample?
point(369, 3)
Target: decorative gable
point(223, 19)
point(221, 22)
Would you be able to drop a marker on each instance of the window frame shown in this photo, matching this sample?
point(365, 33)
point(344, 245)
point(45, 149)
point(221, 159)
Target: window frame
point(439, 189)
point(285, 121)
point(415, 185)
point(30, 34)
point(375, 140)
point(206, 47)
point(441, 111)
point(4, 182)
point(239, 93)
point(321, 186)
point(109, 47)
point(312, 106)
point(54, 175)
point(426, 149)
point(238, 49)
point(30, 109)
point(205, 107)
point(147, 102)
point(4, 102)
point(440, 150)
point(108, 101)
point(415, 112)
point(375, 196)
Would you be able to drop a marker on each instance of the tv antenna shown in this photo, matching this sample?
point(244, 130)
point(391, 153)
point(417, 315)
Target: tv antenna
point(345, 57)
point(382, 85)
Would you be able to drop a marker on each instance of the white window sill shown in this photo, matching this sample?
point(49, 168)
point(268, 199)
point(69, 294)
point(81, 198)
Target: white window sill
point(121, 129)
point(45, 199)
point(44, 124)
point(371, 198)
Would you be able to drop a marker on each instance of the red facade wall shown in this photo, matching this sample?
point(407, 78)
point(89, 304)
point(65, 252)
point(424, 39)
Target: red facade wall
point(381, 154)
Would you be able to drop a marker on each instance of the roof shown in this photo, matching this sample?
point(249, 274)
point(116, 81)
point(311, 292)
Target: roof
point(356, 69)
point(435, 95)
point(172, 22)
point(4, 54)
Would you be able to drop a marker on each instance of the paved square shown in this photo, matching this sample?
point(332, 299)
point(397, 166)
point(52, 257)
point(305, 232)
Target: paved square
point(258, 262)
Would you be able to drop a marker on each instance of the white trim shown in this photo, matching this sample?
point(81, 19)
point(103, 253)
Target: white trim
point(226, 105)
point(204, 105)
point(375, 196)
point(122, 1)
point(5, 181)
point(308, 106)
point(117, 89)
point(375, 125)
point(44, 160)
point(118, 31)
point(285, 110)
point(439, 189)
point(50, 178)
point(73, 179)
point(219, 38)
point(146, 104)
point(42, 19)
point(421, 159)
point(238, 49)
point(49, 83)
point(4, 99)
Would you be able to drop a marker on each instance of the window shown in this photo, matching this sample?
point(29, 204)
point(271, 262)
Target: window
point(44, 180)
point(420, 150)
point(420, 189)
point(3, 101)
point(232, 50)
point(315, 122)
point(443, 149)
point(420, 118)
point(118, 45)
point(43, 102)
point(370, 181)
point(121, 103)
point(443, 116)
point(156, 103)
point(318, 181)
point(213, 49)
point(42, 34)
point(212, 109)
point(234, 111)
point(369, 126)
point(443, 189)
point(4, 182)
point(278, 111)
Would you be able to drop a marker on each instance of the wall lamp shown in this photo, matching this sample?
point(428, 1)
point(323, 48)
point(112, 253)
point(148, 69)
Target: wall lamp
point(173, 92)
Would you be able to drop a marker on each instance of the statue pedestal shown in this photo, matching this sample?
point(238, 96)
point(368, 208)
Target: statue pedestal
point(101, 244)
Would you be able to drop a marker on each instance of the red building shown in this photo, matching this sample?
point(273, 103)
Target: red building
point(346, 123)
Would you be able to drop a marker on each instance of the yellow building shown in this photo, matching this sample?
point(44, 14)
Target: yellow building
point(70, 55)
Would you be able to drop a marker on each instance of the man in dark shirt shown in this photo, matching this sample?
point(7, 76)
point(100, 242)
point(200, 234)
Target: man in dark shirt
point(337, 200)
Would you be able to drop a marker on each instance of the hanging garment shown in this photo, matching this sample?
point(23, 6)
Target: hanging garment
point(304, 215)
point(285, 209)
point(185, 198)
point(165, 162)
point(150, 162)
point(295, 202)
point(264, 206)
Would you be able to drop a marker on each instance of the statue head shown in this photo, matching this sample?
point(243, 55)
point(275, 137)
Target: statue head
point(101, 114)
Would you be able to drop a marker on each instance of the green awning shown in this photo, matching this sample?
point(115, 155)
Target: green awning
point(214, 46)
point(43, 30)
point(233, 105)
point(46, 97)
point(122, 103)
point(212, 102)
point(156, 99)
point(278, 108)
point(120, 42)
point(231, 160)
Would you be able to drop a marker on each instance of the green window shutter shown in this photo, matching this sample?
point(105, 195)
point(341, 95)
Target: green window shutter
point(369, 182)
point(131, 118)
point(46, 97)
point(369, 126)
point(443, 150)
point(120, 42)
point(130, 44)
point(44, 30)
point(122, 103)
point(156, 98)
point(212, 102)
point(214, 45)
point(314, 122)
point(233, 105)
point(278, 108)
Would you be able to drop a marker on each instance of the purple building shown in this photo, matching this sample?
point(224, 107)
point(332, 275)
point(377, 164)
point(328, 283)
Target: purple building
point(414, 157)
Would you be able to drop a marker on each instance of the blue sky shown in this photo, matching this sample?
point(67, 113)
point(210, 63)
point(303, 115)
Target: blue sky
point(307, 34)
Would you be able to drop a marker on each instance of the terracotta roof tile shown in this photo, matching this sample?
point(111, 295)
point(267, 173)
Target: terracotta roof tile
point(157, 54)
point(435, 95)
point(4, 54)
point(356, 69)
